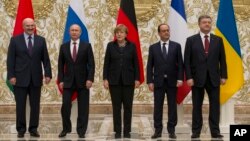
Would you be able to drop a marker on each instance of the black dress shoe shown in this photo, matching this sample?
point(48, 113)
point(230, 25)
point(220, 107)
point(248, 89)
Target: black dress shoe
point(117, 135)
point(20, 135)
point(81, 135)
point(195, 135)
point(34, 134)
point(172, 136)
point(156, 135)
point(62, 134)
point(217, 136)
point(126, 135)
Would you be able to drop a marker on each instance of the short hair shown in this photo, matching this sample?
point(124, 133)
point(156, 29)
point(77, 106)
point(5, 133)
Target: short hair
point(121, 27)
point(204, 17)
point(159, 26)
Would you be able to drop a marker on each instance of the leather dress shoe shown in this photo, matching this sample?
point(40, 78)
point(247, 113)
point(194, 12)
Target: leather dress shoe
point(81, 135)
point(172, 136)
point(63, 134)
point(195, 135)
point(126, 135)
point(156, 135)
point(217, 136)
point(20, 135)
point(117, 135)
point(34, 134)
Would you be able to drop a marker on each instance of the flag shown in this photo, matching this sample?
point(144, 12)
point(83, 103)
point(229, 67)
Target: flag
point(24, 10)
point(226, 28)
point(179, 32)
point(126, 16)
point(75, 16)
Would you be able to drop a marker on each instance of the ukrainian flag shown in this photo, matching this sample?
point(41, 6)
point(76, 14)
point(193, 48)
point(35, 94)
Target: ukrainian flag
point(226, 28)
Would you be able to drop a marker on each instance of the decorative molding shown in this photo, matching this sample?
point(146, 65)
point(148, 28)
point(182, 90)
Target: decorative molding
point(42, 8)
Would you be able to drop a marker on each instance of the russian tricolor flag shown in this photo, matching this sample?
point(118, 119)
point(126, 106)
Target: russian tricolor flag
point(75, 16)
point(179, 32)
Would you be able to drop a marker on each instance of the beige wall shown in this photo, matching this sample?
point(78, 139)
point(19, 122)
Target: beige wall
point(50, 19)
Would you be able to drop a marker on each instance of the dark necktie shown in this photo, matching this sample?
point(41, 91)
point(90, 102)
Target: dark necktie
point(30, 45)
point(164, 51)
point(206, 44)
point(74, 52)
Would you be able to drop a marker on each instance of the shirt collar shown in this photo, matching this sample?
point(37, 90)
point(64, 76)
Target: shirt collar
point(77, 41)
point(26, 36)
point(203, 34)
point(167, 42)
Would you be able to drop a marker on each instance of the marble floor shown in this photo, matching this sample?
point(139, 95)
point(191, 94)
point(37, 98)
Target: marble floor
point(100, 128)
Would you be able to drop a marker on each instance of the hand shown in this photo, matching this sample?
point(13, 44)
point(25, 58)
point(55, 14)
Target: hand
point(179, 83)
point(190, 82)
point(13, 81)
point(47, 80)
point(88, 84)
point(106, 84)
point(137, 84)
point(151, 87)
point(61, 85)
point(223, 81)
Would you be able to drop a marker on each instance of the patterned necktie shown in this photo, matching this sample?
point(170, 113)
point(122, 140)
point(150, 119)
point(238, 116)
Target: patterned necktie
point(206, 44)
point(164, 51)
point(30, 45)
point(74, 52)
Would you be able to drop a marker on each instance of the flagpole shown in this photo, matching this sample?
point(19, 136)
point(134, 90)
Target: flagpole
point(227, 115)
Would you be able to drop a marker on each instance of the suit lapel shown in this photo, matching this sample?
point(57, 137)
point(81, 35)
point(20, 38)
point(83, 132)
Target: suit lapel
point(23, 44)
point(80, 48)
point(211, 44)
point(200, 44)
point(160, 51)
point(68, 52)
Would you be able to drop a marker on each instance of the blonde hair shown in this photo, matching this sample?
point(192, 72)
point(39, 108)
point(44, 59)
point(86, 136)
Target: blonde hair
point(121, 27)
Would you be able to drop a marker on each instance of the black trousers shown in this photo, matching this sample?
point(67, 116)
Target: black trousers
point(21, 94)
point(83, 109)
point(122, 95)
point(214, 107)
point(159, 96)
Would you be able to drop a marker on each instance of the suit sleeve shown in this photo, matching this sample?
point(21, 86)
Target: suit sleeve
point(150, 66)
point(61, 64)
point(136, 65)
point(46, 61)
point(223, 64)
point(11, 60)
point(91, 64)
point(106, 62)
point(187, 59)
point(180, 63)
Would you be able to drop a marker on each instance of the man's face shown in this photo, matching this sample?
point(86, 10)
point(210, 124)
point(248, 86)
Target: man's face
point(29, 26)
point(75, 32)
point(164, 32)
point(205, 25)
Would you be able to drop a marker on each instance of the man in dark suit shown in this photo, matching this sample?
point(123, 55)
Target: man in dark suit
point(206, 68)
point(164, 75)
point(26, 54)
point(76, 68)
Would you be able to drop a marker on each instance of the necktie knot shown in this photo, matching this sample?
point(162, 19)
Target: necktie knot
point(206, 36)
point(29, 37)
point(74, 43)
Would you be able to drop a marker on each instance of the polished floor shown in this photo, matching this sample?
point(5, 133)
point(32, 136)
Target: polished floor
point(100, 128)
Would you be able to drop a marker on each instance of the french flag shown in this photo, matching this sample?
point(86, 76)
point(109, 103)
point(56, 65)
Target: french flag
point(75, 16)
point(179, 32)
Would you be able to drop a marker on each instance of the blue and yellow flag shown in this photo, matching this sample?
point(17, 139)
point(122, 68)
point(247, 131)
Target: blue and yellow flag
point(226, 28)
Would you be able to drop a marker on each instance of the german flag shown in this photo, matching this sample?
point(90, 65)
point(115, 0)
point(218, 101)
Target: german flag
point(126, 16)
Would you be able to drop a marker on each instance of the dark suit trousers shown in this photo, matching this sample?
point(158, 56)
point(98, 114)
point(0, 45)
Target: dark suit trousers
point(159, 96)
point(83, 109)
point(21, 94)
point(122, 95)
point(214, 107)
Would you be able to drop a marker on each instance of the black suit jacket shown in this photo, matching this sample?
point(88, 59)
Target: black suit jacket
point(117, 65)
point(81, 70)
point(197, 65)
point(25, 67)
point(157, 66)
